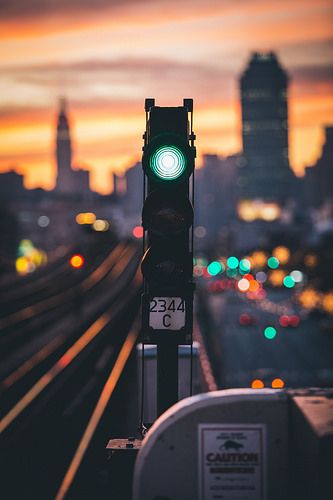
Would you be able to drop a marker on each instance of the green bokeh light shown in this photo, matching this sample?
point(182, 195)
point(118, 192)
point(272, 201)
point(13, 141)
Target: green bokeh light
point(231, 273)
point(273, 262)
point(232, 262)
point(168, 163)
point(245, 266)
point(289, 282)
point(270, 332)
point(214, 268)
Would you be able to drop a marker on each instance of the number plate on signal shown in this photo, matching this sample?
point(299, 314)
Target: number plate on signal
point(167, 313)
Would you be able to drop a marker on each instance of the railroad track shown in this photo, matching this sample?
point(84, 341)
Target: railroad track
point(54, 403)
point(27, 322)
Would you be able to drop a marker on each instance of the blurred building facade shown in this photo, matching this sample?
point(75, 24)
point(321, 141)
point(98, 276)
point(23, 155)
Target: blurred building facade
point(215, 199)
point(266, 173)
point(318, 179)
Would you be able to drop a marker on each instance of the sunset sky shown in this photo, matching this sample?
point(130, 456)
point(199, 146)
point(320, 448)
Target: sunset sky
point(107, 56)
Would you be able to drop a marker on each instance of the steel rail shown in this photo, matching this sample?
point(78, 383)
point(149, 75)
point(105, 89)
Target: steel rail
point(99, 409)
point(59, 298)
point(79, 345)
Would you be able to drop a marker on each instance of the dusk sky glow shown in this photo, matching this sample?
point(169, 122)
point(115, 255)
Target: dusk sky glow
point(106, 57)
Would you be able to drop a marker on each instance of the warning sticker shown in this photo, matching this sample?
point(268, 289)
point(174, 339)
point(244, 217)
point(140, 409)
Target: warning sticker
point(231, 462)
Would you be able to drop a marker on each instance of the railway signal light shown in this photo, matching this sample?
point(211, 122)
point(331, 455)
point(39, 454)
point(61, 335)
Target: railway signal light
point(167, 219)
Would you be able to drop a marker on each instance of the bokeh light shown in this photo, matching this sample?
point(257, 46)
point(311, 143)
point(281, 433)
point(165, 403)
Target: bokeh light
point(101, 225)
point(278, 383)
point(259, 259)
point(257, 383)
point(76, 261)
point(261, 276)
point(289, 281)
point(245, 319)
point(276, 277)
point(85, 218)
point(297, 276)
point(254, 286)
point(282, 254)
point(200, 232)
point(311, 260)
point(270, 332)
point(273, 263)
point(243, 285)
point(294, 320)
point(232, 262)
point(43, 221)
point(231, 273)
point(29, 257)
point(214, 268)
point(309, 298)
point(244, 266)
point(327, 302)
point(284, 320)
point(138, 232)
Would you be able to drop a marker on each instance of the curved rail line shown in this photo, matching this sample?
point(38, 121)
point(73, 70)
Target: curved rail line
point(99, 409)
point(58, 299)
point(70, 354)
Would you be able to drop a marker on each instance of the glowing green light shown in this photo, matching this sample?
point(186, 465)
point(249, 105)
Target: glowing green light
point(168, 163)
point(214, 268)
point(270, 332)
point(232, 262)
point(232, 273)
point(273, 262)
point(289, 282)
point(245, 266)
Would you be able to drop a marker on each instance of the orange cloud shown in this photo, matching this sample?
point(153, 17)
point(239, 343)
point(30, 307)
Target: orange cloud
point(107, 56)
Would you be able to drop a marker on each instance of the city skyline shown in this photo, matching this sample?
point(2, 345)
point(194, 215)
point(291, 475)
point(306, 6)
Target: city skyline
point(108, 60)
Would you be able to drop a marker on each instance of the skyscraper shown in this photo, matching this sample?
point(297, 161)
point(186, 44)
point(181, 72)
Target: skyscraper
point(318, 179)
point(266, 173)
point(69, 181)
point(64, 152)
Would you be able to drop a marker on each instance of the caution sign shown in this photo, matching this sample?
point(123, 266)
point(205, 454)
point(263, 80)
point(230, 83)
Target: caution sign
point(231, 462)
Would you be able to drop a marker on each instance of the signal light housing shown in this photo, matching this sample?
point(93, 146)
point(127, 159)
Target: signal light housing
point(166, 213)
point(167, 219)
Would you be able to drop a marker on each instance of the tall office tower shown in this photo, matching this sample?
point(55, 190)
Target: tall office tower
point(65, 177)
point(266, 172)
point(318, 179)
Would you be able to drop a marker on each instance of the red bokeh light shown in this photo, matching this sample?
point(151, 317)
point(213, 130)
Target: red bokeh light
point(245, 319)
point(294, 320)
point(138, 232)
point(76, 261)
point(284, 320)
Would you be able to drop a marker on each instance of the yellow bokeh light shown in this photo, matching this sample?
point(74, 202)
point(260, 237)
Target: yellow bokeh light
point(282, 254)
point(101, 225)
point(257, 384)
point(277, 383)
point(259, 259)
point(85, 218)
point(309, 298)
point(250, 210)
point(311, 260)
point(276, 277)
point(327, 302)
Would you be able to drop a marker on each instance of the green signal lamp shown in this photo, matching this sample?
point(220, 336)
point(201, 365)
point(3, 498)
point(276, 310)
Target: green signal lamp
point(168, 163)
point(168, 159)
